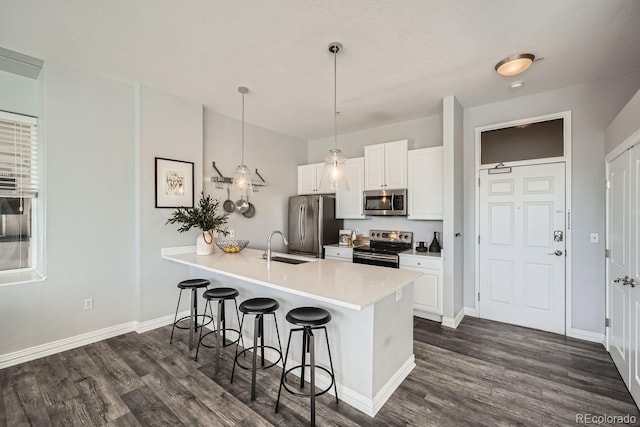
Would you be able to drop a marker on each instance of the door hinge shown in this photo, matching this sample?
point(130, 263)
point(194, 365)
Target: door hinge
point(478, 296)
point(607, 253)
point(478, 239)
point(607, 322)
point(478, 182)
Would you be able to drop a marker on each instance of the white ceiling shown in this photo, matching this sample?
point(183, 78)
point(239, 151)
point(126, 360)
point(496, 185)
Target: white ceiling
point(399, 58)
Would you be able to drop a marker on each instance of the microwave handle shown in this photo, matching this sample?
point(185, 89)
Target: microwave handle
point(393, 205)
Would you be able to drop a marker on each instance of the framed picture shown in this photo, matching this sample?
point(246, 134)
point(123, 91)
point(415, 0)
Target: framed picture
point(344, 237)
point(174, 183)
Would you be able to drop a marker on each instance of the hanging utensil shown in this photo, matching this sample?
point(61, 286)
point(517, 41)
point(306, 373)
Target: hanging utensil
point(242, 205)
point(228, 204)
point(251, 211)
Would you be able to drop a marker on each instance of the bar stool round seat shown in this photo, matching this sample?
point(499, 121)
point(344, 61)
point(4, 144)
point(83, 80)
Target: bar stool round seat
point(258, 307)
point(310, 319)
point(220, 294)
point(308, 316)
point(191, 285)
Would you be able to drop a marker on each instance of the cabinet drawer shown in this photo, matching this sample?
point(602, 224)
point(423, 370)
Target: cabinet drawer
point(342, 253)
point(418, 261)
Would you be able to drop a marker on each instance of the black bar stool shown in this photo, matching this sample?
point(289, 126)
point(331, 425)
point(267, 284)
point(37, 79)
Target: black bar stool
point(221, 295)
point(310, 318)
point(193, 285)
point(257, 307)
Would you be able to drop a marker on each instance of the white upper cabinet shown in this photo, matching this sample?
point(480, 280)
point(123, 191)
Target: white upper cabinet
point(424, 193)
point(309, 178)
point(349, 203)
point(386, 165)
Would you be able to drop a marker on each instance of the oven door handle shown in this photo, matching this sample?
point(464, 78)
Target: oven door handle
point(376, 257)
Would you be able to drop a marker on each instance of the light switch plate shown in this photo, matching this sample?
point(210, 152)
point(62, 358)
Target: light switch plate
point(594, 238)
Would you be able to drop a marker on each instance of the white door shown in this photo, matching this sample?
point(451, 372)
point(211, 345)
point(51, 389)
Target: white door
point(634, 291)
point(618, 265)
point(522, 246)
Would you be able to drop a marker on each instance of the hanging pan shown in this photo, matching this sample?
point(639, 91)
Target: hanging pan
point(251, 210)
point(228, 204)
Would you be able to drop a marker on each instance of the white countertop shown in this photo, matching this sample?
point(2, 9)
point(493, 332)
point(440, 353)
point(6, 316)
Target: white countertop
point(354, 286)
point(435, 255)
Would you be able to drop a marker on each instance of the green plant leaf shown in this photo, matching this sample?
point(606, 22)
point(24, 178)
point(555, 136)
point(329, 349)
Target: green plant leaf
point(202, 216)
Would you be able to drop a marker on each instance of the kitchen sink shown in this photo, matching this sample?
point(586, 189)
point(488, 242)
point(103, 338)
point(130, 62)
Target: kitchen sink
point(288, 260)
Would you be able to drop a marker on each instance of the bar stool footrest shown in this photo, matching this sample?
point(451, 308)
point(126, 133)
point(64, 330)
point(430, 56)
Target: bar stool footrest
point(198, 325)
point(296, 393)
point(202, 343)
point(249, 368)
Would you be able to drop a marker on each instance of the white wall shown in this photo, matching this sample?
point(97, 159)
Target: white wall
point(625, 124)
point(421, 133)
point(89, 137)
point(593, 106)
point(275, 155)
point(19, 94)
point(169, 127)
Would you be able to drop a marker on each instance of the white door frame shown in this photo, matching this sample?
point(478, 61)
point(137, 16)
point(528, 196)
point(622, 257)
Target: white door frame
point(566, 158)
point(627, 144)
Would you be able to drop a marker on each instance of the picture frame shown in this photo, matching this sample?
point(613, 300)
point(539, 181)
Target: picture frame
point(174, 183)
point(344, 237)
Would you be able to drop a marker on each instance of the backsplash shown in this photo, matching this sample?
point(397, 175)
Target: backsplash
point(422, 230)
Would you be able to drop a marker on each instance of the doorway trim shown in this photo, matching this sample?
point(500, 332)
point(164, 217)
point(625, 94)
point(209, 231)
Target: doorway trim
point(626, 145)
point(566, 158)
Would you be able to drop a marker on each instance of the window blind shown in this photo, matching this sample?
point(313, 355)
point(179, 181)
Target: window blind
point(18, 155)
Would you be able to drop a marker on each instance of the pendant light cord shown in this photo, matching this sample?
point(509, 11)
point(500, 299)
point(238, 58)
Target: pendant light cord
point(335, 99)
point(242, 153)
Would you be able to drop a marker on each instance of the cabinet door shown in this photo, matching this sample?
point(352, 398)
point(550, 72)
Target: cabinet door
point(395, 160)
point(309, 178)
point(374, 167)
point(349, 203)
point(427, 290)
point(424, 193)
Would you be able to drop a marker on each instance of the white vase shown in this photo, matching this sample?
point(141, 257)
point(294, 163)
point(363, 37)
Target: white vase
point(204, 243)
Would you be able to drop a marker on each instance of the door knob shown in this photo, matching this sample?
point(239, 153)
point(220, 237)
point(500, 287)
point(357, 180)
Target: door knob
point(631, 282)
point(556, 253)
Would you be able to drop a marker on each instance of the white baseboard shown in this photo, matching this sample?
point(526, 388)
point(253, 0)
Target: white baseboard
point(453, 322)
point(471, 311)
point(429, 316)
point(394, 382)
point(586, 335)
point(159, 322)
point(32, 353)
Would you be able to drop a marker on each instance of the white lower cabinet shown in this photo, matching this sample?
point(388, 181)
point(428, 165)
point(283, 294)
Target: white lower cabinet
point(427, 290)
point(338, 253)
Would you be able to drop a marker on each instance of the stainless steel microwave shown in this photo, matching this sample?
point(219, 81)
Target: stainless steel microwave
point(385, 202)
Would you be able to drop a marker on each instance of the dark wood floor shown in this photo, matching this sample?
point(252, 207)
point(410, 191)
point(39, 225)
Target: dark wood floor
point(483, 373)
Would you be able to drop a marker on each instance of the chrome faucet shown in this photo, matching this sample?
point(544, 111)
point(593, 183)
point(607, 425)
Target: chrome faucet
point(268, 254)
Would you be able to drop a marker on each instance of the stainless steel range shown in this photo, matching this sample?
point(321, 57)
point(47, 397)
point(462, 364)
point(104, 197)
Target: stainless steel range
point(384, 247)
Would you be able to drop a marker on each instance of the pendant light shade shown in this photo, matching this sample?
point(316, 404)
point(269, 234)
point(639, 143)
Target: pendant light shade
point(334, 176)
point(241, 174)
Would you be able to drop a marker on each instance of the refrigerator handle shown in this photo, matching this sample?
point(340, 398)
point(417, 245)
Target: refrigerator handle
point(304, 227)
point(320, 225)
point(300, 233)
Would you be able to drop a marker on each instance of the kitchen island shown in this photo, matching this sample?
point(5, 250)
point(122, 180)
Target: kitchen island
point(371, 332)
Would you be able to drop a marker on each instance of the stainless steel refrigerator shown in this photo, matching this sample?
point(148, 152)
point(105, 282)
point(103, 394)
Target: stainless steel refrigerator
point(312, 224)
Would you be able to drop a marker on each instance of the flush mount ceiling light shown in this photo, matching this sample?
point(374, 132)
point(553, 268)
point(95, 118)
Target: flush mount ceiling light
point(514, 65)
point(242, 174)
point(334, 177)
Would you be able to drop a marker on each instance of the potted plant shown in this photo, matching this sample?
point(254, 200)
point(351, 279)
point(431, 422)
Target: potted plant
point(205, 218)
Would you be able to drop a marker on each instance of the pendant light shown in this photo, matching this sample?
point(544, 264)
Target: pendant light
point(334, 177)
point(242, 174)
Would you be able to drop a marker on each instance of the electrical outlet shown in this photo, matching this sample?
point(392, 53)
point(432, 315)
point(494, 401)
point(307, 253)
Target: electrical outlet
point(232, 233)
point(399, 294)
point(88, 304)
point(594, 238)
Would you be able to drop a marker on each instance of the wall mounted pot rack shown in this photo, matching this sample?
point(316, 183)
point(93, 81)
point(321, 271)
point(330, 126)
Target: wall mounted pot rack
point(220, 180)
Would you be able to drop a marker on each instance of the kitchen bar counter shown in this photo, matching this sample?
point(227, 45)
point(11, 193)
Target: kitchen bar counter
point(371, 331)
point(353, 286)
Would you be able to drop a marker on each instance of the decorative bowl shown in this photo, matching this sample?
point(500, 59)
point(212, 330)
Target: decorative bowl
point(231, 246)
